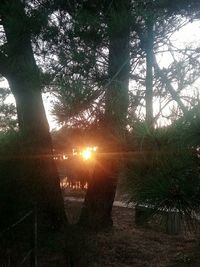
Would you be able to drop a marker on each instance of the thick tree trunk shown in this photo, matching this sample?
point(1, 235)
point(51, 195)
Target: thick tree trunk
point(39, 172)
point(97, 207)
point(42, 179)
point(97, 210)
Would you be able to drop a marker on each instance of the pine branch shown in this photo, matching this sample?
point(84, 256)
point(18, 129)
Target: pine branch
point(169, 87)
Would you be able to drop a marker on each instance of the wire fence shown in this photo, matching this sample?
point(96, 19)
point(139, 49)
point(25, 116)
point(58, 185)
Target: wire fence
point(30, 256)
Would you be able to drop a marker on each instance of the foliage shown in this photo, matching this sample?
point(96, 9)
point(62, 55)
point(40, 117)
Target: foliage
point(165, 171)
point(8, 121)
point(76, 40)
point(78, 68)
point(168, 180)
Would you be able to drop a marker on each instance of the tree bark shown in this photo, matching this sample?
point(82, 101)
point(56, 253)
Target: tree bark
point(97, 210)
point(36, 158)
point(149, 73)
point(97, 207)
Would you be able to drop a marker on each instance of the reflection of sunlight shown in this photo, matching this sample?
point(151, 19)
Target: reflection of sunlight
point(65, 183)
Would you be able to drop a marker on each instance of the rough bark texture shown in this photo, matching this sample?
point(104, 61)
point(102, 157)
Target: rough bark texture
point(36, 158)
point(97, 210)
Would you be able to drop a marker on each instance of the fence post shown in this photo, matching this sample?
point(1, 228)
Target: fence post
point(34, 237)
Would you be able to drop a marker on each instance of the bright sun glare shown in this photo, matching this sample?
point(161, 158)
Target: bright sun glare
point(86, 154)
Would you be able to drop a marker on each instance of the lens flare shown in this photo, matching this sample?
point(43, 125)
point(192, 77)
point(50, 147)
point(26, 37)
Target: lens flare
point(86, 154)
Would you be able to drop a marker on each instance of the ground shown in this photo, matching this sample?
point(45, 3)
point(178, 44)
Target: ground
point(125, 245)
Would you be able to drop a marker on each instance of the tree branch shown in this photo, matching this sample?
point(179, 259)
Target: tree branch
point(169, 87)
point(172, 6)
point(179, 4)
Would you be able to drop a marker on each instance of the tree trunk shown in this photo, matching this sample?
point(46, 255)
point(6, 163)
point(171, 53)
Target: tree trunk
point(97, 207)
point(149, 73)
point(97, 210)
point(39, 172)
point(42, 180)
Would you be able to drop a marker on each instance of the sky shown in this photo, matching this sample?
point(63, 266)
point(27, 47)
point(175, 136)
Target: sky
point(189, 34)
point(186, 36)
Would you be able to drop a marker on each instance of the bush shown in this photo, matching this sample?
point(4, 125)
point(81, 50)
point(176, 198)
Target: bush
point(167, 180)
point(165, 172)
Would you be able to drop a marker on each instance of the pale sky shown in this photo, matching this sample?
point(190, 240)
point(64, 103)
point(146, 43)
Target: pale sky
point(188, 36)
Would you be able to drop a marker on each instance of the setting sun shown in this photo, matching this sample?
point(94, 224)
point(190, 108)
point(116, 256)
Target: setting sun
point(86, 154)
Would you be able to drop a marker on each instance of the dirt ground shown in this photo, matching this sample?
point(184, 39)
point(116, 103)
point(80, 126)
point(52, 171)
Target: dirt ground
point(127, 245)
